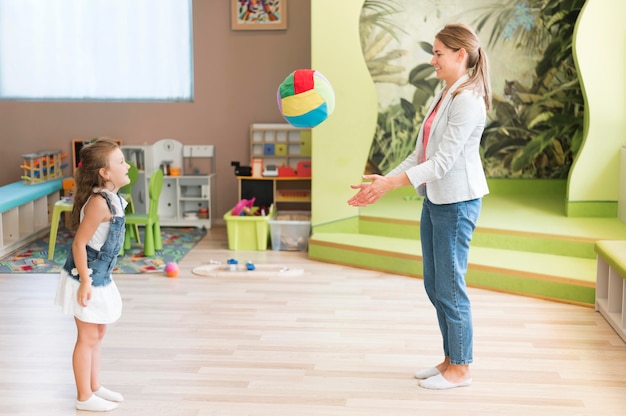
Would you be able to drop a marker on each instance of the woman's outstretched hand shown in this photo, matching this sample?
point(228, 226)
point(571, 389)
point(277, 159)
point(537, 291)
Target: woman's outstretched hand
point(370, 192)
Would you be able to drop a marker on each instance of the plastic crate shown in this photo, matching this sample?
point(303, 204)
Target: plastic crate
point(247, 232)
point(290, 230)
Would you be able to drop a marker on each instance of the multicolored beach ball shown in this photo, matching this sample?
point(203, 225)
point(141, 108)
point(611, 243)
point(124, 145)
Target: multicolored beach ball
point(305, 98)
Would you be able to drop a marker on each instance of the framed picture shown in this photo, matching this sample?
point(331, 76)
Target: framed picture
point(258, 14)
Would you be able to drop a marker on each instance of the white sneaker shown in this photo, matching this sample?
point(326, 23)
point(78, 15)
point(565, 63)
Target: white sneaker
point(95, 404)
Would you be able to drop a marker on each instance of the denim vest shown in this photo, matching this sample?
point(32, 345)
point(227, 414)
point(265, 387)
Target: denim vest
point(102, 262)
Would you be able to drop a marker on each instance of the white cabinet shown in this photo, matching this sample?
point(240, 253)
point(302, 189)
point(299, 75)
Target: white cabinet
point(186, 200)
point(141, 157)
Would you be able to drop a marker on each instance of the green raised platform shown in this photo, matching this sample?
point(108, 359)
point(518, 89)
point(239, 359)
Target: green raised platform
point(524, 242)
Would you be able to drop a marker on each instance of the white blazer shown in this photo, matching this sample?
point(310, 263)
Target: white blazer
point(453, 170)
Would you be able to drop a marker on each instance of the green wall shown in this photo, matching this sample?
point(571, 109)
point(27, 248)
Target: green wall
point(600, 51)
point(341, 144)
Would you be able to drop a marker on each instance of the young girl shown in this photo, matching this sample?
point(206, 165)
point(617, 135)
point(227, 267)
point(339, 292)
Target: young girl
point(86, 288)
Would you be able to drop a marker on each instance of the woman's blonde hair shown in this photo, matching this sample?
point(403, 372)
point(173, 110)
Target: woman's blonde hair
point(459, 36)
point(93, 157)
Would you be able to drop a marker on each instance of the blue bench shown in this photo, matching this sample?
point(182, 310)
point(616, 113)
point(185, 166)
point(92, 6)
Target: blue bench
point(18, 193)
point(24, 212)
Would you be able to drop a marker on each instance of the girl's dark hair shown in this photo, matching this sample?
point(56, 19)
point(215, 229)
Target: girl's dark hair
point(459, 36)
point(93, 157)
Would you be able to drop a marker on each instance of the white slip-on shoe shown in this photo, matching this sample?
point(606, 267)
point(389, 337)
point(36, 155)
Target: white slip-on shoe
point(426, 372)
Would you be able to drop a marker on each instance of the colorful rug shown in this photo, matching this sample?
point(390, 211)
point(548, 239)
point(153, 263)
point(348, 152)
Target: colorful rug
point(33, 258)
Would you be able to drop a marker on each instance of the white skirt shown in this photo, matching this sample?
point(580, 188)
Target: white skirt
point(105, 306)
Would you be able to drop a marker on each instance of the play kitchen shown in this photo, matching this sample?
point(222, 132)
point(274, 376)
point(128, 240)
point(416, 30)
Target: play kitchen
point(168, 169)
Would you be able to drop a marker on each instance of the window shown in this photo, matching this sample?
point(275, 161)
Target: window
point(96, 50)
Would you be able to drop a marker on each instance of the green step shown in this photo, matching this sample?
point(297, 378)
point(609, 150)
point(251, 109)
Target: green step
point(550, 276)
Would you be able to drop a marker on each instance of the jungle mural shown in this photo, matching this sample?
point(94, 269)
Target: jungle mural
point(535, 126)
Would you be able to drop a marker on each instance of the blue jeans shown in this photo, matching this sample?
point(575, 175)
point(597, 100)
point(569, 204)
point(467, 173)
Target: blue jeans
point(446, 231)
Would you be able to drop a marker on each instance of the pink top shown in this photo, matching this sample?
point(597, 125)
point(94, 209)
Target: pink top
point(427, 124)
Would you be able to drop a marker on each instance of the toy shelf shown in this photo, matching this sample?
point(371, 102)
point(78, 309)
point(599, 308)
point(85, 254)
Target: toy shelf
point(286, 193)
point(279, 144)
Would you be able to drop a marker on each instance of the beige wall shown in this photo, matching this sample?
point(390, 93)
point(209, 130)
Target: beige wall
point(236, 76)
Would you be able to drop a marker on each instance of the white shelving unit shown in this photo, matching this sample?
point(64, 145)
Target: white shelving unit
point(184, 197)
point(279, 144)
point(140, 156)
point(284, 146)
point(611, 284)
point(187, 200)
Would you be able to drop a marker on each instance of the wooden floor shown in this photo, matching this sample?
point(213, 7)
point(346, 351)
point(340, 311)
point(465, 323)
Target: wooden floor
point(332, 341)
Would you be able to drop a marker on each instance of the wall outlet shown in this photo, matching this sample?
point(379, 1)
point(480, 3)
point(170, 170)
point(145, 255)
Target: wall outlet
point(201, 150)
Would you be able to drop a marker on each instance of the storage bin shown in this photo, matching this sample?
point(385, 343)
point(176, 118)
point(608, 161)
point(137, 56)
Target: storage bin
point(247, 232)
point(290, 230)
point(304, 169)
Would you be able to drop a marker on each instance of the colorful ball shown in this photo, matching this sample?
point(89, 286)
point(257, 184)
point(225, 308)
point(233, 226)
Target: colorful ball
point(305, 98)
point(171, 269)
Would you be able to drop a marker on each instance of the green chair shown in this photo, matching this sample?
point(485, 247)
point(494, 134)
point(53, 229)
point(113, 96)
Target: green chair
point(126, 193)
point(152, 239)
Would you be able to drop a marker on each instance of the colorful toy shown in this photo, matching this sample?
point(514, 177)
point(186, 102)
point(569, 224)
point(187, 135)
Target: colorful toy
point(232, 268)
point(233, 264)
point(171, 269)
point(42, 166)
point(243, 207)
point(305, 98)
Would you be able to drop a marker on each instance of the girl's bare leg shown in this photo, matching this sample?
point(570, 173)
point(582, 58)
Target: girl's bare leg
point(82, 359)
point(96, 357)
point(86, 362)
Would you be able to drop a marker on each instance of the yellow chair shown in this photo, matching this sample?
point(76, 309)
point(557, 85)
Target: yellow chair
point(152, 239)
point(64, 204)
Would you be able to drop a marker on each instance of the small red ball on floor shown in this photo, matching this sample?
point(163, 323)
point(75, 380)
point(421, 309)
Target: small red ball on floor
point(171, 269)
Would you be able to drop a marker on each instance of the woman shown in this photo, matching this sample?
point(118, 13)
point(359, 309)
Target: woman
point(446, 169)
